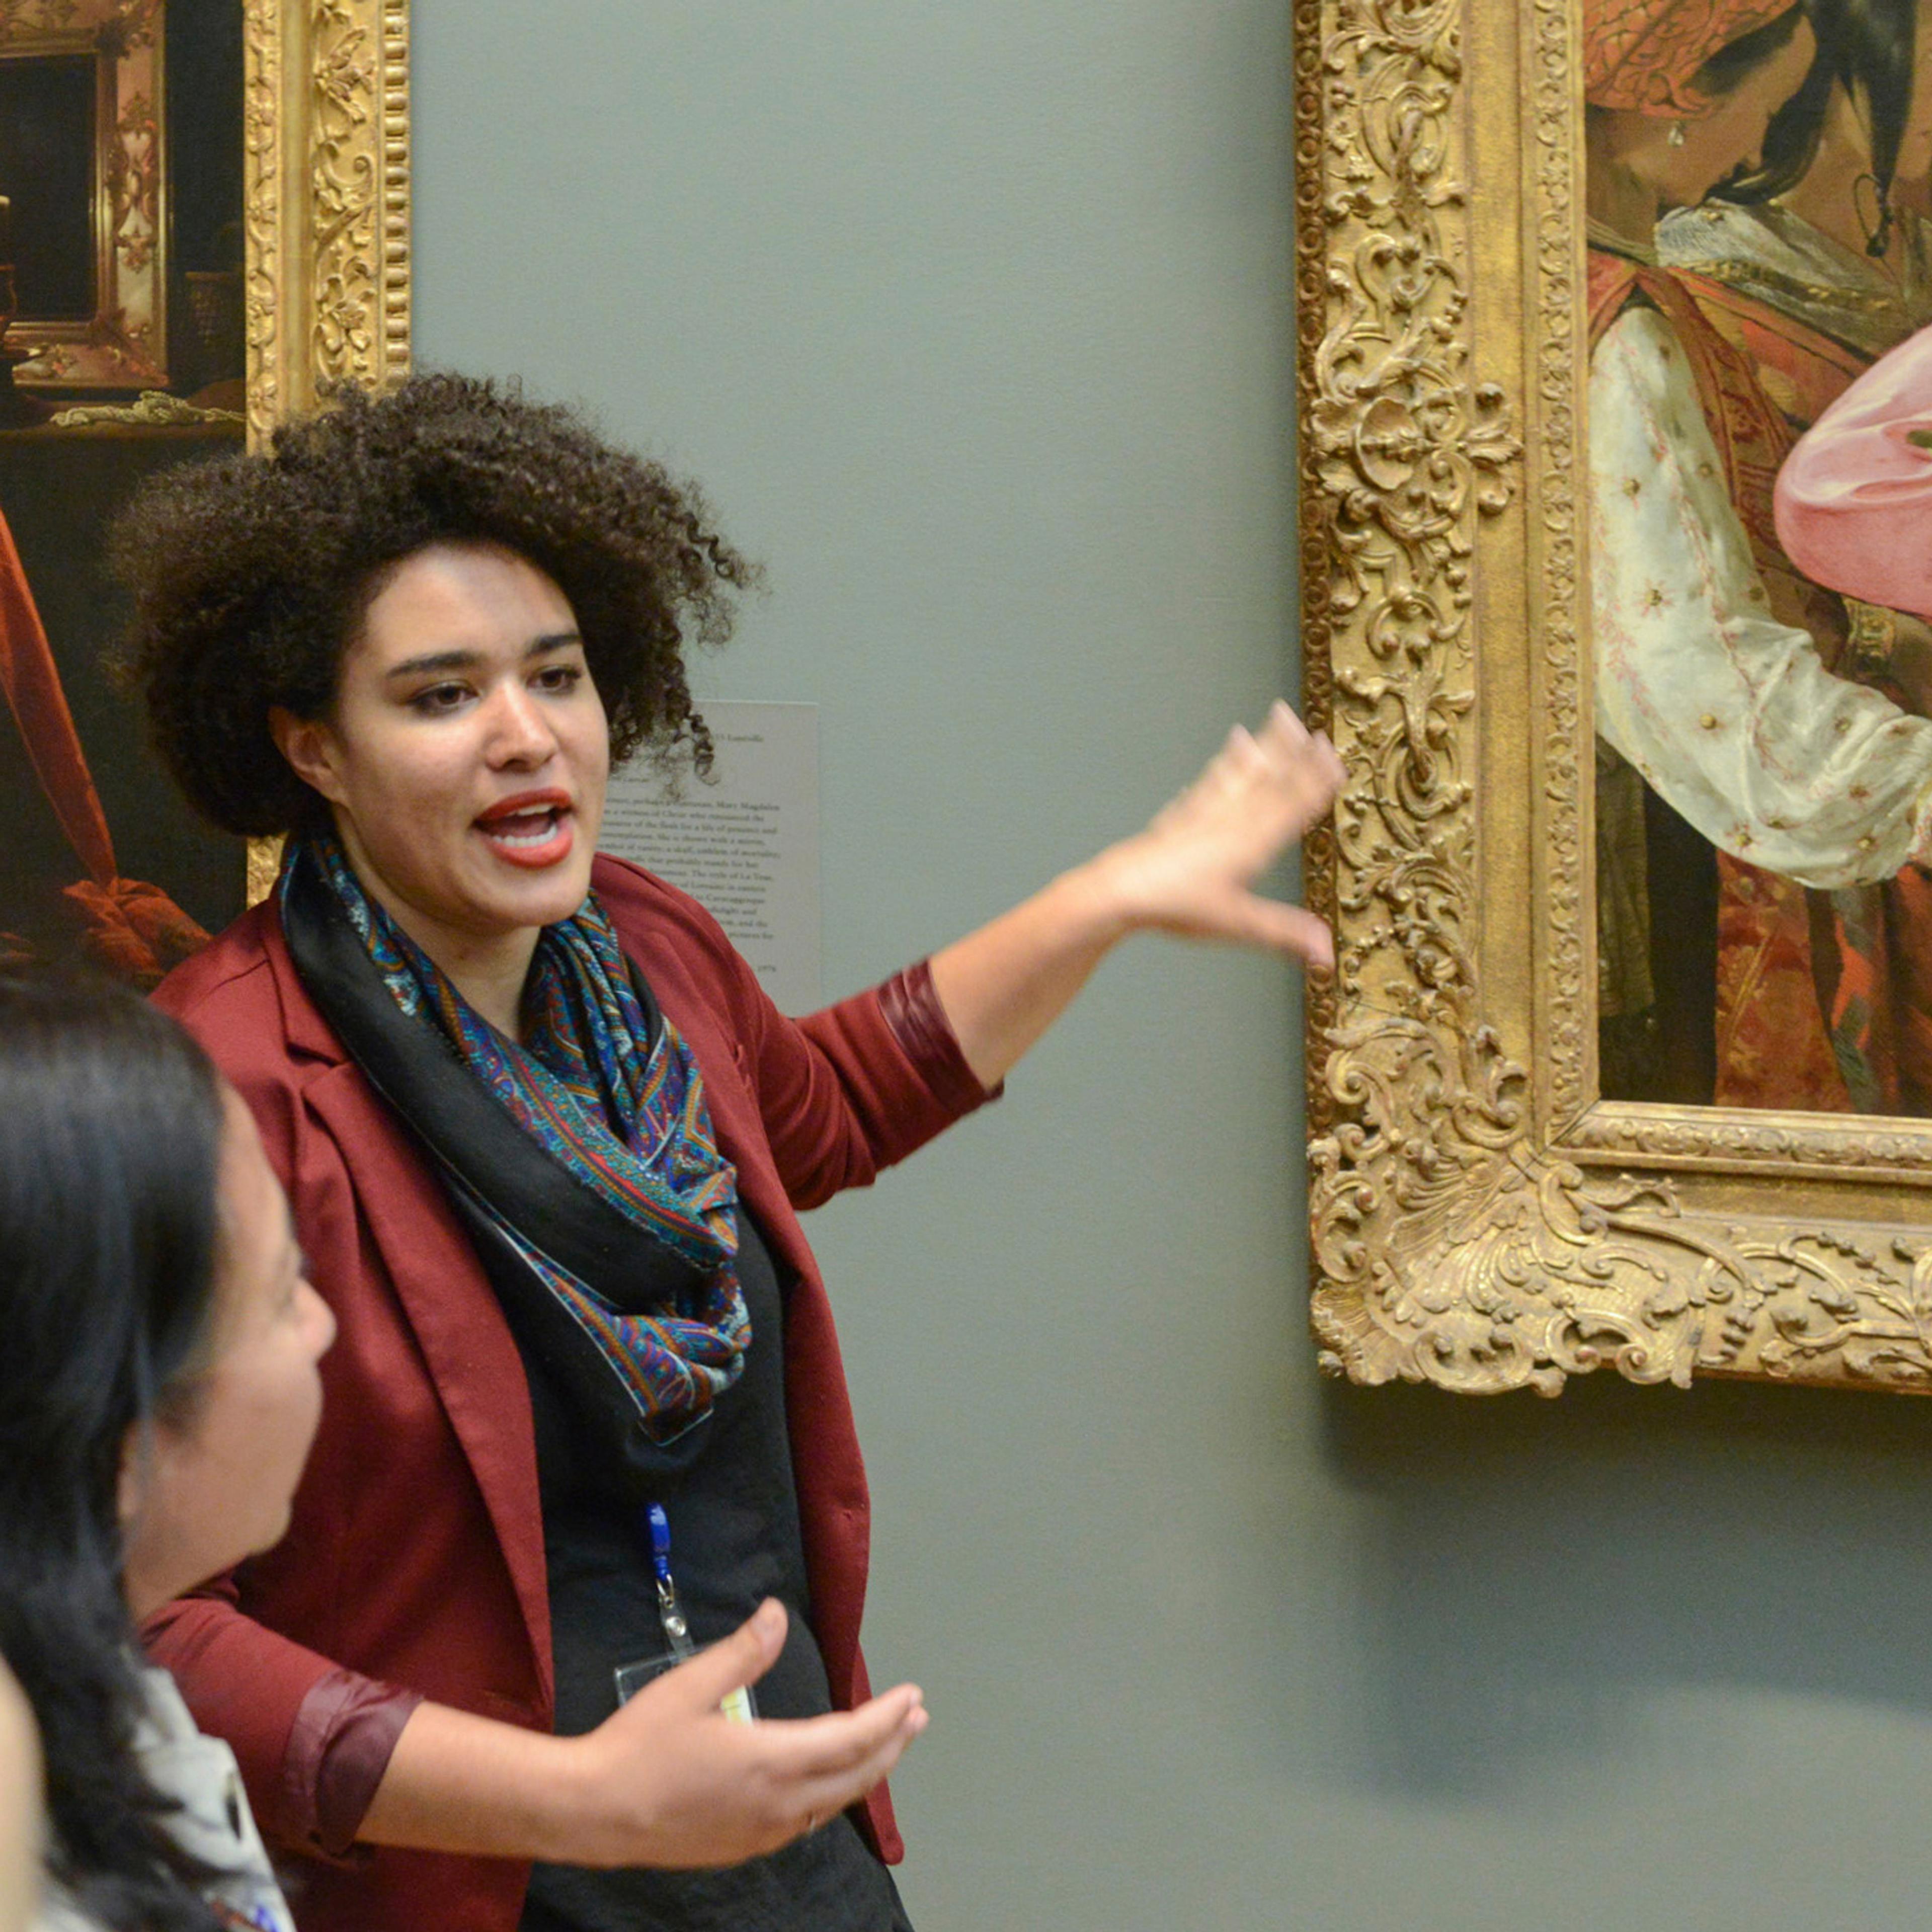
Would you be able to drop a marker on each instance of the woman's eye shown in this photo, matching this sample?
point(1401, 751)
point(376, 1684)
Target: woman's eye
point(439, 697)
point(557, 679)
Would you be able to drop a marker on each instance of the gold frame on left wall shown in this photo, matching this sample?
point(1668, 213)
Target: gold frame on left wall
point(327, 216)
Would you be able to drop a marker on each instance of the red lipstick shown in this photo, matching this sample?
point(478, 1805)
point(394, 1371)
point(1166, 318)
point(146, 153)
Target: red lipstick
point(532, 828)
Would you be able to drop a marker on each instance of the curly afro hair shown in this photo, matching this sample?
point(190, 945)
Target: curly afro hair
point(250, 574)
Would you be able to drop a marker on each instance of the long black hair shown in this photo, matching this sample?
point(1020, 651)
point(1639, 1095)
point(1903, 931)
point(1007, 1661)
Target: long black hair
point(110, 1128)
point(1867, 48)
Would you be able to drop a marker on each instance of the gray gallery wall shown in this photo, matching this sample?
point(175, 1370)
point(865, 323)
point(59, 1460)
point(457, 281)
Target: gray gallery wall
point(975, 320)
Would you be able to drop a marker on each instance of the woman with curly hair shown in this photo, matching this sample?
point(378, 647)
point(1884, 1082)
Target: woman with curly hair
point(547, 1141)
point(158, 1392)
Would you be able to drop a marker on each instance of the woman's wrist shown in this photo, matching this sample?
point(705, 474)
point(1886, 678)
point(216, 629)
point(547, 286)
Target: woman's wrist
point(564, 1795)
point(571, 1802)
point(1001, 988)
point(593, 1815)
point(1096, 903)
point(456, 1782)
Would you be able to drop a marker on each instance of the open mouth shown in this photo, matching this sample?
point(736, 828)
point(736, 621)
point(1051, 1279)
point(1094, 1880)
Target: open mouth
point(534, 829)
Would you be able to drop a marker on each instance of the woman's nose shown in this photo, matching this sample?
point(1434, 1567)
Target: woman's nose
point(519, 732)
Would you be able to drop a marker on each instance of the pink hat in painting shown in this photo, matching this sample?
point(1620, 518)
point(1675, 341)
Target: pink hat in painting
point(1643, 55)
point(1854, 499)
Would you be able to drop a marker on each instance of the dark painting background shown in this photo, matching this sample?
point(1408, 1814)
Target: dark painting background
point(60, 487)
point(47, 119)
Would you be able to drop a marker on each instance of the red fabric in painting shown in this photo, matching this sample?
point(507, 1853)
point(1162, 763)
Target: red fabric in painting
point(1876, 957)
point(1800, 370)
point(133, 928)
point(32, 682)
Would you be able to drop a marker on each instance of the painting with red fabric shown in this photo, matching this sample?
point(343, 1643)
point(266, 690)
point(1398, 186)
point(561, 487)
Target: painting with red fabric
point(1756, 184)
point(122, 351)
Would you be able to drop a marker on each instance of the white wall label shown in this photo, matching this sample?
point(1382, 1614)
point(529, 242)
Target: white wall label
point(744, 843)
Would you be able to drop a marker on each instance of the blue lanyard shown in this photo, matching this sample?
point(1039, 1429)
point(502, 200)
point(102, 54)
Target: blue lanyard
point(670, 1612)
point(739, 1706)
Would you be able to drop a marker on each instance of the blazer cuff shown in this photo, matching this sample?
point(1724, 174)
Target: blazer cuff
point(338, 1749)
point(909, 1002)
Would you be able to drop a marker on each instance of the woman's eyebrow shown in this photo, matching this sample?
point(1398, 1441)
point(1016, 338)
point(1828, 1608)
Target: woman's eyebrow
point(460, 659)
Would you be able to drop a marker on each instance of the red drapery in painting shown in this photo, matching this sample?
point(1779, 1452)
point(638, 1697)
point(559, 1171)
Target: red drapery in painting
point(133, 928)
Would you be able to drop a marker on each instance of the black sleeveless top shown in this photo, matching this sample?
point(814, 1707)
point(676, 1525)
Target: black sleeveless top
point(735, 1540)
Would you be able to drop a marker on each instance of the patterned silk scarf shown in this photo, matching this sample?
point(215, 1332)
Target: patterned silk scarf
point(623, 1114)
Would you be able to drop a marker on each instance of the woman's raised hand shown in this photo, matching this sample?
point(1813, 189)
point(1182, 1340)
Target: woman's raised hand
point(669, 1780)
point(1192, 871)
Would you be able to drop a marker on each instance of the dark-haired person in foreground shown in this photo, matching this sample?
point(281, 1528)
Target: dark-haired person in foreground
point(547, 1142)
point(158, 1391)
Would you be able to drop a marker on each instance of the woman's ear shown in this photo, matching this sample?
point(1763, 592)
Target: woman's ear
point(309, 746)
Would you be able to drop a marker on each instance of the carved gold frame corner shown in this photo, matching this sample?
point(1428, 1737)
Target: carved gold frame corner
point(1481, 1219)
point(327, 115)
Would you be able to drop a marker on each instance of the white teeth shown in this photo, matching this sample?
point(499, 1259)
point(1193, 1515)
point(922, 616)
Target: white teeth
point(541, 831)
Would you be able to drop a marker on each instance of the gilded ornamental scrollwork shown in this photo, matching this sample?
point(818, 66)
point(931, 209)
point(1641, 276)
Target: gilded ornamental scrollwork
point(327, 132)
point(1479, 1219)
point(327, 213)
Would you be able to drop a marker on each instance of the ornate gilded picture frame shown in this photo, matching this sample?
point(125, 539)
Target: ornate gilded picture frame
point(1483, 1218)
point(204, 214)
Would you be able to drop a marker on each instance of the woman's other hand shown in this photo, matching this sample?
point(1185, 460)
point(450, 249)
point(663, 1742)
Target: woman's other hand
point(669, 1781)
point(1191, 872)
point(666, 1781)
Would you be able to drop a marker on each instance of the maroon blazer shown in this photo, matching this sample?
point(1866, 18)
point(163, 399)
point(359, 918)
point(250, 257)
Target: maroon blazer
point(415, 1552)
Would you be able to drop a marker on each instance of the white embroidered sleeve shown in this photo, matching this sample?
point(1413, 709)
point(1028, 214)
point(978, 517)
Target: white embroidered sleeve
point(1727, 713)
